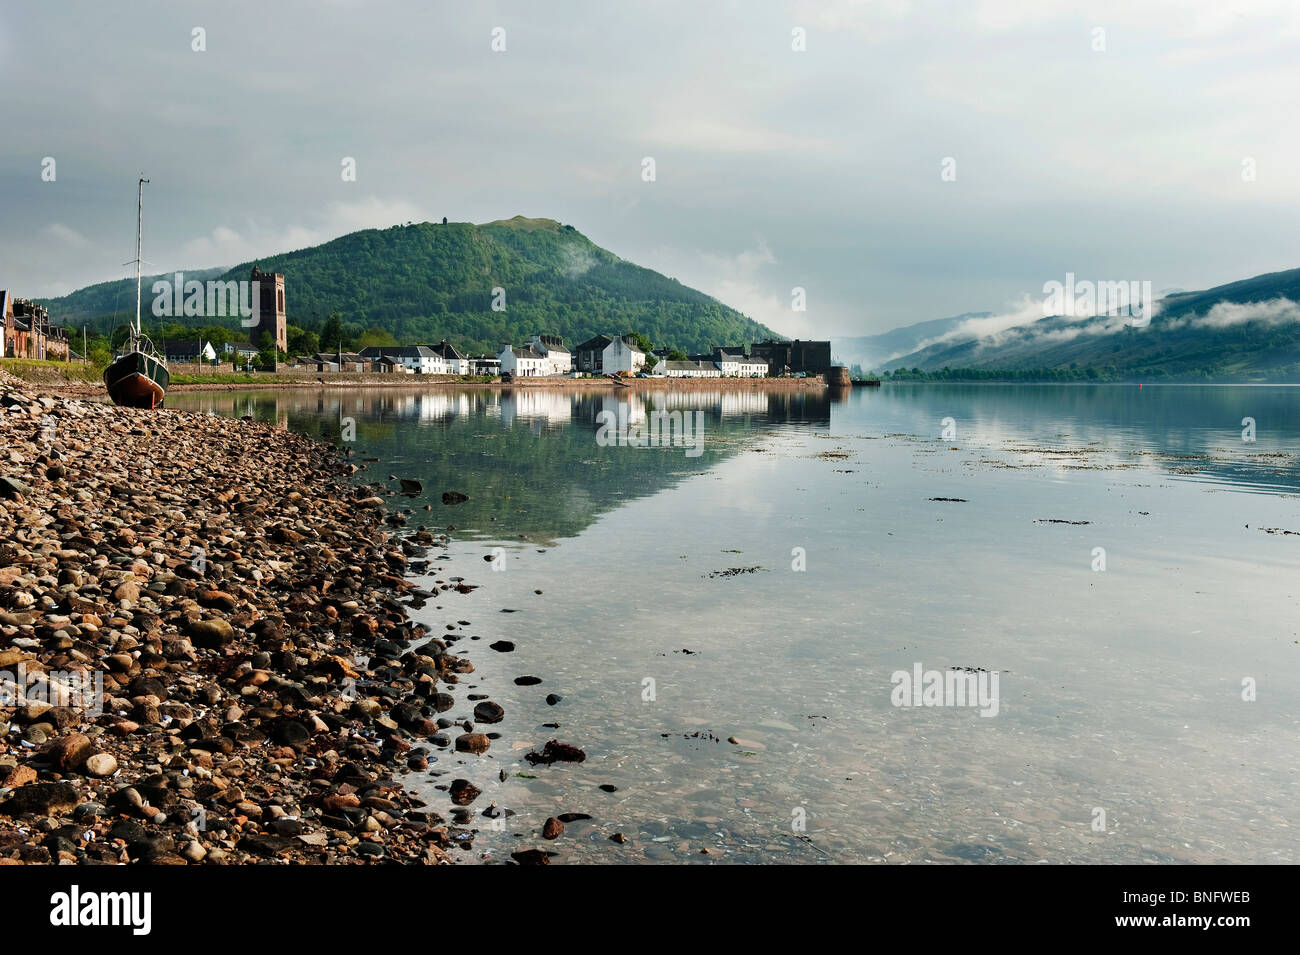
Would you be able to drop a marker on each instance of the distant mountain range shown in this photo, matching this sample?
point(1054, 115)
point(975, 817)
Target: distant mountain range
point(429, 281)
point(874, 351)
point(1247, 331)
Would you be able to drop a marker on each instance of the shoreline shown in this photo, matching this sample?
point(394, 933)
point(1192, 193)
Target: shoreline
point(77, 388)
point(440, 382)
point(263, 689)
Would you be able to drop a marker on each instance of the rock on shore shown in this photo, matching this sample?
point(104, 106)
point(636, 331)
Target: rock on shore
point(261, 682)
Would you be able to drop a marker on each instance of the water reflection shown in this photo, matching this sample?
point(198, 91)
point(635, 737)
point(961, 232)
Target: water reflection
point(1121, 690)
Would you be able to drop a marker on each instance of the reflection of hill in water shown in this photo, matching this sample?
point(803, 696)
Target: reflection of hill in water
point(486, 444)
point(1168, 426)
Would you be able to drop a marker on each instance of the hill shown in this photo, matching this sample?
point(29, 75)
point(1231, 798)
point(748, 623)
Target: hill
point(874, 351)
point(428, 281)
point(1247, 331)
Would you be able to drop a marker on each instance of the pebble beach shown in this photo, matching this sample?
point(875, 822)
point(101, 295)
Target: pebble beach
point(237, 601)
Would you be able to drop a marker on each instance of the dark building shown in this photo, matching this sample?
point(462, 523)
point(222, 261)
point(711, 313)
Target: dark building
point(810, 357)
point(590, 355)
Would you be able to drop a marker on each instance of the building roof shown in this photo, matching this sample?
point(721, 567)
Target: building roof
point(183, 348)
point(598, 343)
point(448, 350)
point(630, 342)
point(528, 351)
point(552, 343)
point(399, 351)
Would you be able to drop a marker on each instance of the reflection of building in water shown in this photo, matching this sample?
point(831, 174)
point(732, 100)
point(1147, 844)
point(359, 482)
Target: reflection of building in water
point(553, 407)
point(629, 407)
point(743, 402)
point(434, 406)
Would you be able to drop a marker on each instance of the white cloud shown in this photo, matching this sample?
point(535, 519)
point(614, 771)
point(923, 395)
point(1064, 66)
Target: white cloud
point(1277, 311)
point(66, 234)
point(224, 245)
point(736, 280)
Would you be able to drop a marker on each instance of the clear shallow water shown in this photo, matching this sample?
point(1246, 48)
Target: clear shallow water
point(1119, 690)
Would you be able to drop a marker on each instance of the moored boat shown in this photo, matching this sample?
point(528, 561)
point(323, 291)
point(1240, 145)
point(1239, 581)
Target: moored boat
point(138, 377)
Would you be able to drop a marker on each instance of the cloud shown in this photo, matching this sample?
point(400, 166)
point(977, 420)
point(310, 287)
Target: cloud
point(66, 234)
point(1272, 312)
point(736, 281)
point(709, 134)
point(224, 245)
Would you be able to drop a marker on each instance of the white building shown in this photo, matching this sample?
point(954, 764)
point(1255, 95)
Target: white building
point(622, 355)
point(453, 361)
point(558, 359)
point(191, 351)
point(522, 362)
point(239, 352)
point(688, 369)
point(415, 359)
point(544, 355)
point(734, 364)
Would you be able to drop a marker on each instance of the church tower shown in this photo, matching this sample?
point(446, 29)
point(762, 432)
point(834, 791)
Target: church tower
point(270, 319)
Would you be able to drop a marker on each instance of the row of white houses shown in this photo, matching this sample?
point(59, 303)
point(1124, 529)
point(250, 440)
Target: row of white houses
point(440, 359)
point(542, 356)
point(545, 355)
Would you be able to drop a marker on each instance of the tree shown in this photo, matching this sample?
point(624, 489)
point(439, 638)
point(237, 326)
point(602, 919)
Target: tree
point(120, 335)
point(374, 336)
point(302, 342)
point(99, 352)
point(331, 333)
point(676, 354)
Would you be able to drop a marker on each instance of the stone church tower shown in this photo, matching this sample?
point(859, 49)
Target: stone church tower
point(270, 317)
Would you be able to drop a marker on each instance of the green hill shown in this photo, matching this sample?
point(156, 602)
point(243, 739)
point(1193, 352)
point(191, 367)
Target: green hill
point(1246, 331)
point(427, 282)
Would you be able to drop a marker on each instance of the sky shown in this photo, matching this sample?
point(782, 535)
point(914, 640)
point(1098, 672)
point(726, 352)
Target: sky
point(912, 161)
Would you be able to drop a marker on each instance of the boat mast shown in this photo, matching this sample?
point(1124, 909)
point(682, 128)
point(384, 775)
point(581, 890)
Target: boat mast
point(139, 223)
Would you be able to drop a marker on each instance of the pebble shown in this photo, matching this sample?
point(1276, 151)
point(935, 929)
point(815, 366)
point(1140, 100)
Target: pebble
point(139, 546)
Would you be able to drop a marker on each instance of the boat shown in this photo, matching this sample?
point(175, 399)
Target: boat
point(138, 377)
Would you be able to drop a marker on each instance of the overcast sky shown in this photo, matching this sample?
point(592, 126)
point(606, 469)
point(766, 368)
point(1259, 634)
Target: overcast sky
point(774, 168)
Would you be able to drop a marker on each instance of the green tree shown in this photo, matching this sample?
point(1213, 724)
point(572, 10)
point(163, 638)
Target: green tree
point(374, 336)
point(302, 342)
point(331, 333)
point(642, 342)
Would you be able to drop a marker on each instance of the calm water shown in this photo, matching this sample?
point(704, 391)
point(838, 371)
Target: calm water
point(1120, 690)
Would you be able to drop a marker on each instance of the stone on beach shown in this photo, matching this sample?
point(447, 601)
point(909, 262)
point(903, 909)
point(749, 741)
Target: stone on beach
point(238, 597)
